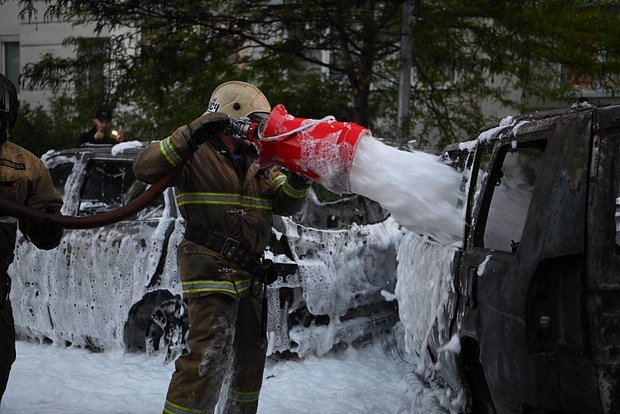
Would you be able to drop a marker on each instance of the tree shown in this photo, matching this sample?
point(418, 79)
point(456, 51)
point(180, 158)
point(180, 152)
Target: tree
point(340, 57)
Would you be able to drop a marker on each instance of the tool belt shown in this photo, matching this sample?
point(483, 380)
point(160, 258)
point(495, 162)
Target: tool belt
point(229, 248)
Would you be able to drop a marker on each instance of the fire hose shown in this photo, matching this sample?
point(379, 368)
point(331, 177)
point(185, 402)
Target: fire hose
point(21, 212)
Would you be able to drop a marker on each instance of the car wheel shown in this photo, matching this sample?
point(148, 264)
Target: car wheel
point(156, 324)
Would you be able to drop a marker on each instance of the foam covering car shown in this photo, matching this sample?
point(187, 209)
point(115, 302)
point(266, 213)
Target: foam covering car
point(117, 286)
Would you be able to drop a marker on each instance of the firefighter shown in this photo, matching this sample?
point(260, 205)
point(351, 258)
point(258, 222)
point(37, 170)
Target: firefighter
point(23, 179)
point(227, 201)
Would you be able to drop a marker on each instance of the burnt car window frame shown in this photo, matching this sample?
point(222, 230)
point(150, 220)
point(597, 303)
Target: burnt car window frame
point(500, 150)
point(60, 175)
point(615, 200)
point(130, 189)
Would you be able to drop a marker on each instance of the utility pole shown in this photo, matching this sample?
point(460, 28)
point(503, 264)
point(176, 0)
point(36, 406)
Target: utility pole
point(404, 84)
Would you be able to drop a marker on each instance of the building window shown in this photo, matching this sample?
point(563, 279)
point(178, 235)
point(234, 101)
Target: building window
point(10, 52)
point(93, 51)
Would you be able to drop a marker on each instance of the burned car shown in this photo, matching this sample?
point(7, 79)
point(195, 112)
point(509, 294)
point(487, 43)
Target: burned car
point(117, 286)
point(524, 316)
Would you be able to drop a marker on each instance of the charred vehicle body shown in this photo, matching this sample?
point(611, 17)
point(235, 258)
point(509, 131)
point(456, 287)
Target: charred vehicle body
point(532, 298)
point(117, 286)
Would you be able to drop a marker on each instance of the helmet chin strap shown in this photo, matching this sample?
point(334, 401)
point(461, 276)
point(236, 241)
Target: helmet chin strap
point(4, 132)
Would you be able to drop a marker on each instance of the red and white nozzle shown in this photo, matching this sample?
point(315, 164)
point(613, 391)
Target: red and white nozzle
point(321, 150)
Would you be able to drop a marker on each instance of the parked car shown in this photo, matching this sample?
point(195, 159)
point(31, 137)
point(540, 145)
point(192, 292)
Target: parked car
point(118, 286)
point(527, 311)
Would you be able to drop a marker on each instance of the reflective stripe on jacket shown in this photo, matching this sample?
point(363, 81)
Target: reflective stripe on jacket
point(238, 287)
point(172, 408)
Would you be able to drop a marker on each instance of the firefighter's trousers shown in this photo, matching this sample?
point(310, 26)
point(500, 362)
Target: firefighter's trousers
point(227, 353)
point(7, 336)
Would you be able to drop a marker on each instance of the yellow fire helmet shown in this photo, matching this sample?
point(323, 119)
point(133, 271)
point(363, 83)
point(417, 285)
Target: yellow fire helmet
point(237, 99)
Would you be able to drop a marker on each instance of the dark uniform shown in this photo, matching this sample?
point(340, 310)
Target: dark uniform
point(88, 137)
point(227, 202)
point(101, 122)
point(23, 179)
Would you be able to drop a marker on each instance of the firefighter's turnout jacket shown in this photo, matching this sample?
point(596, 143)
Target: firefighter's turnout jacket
point(227, 203)
point(23, 179)
point(221, 197)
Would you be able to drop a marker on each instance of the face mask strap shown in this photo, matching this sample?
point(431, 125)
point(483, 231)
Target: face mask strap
point(4, 131)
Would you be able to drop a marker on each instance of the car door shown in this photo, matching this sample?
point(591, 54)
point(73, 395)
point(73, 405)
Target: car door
point(111, 267)
point(603, 265)
point(94, 277)
point(525, 284)
point(508, 176)
point(32, 268)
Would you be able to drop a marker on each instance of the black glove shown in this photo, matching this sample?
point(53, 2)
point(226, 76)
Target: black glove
point(45, 234)
point(298, 181)
point(207, 126)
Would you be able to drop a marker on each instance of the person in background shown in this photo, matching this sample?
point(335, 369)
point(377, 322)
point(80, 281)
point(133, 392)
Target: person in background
point(227, 201)
point(23, 179)
point(101, 132)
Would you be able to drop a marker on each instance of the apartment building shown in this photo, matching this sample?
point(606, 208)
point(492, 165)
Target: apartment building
point(25, 40)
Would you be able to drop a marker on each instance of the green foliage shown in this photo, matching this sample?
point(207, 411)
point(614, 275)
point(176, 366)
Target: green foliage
point(166, 57)
point(39, 131)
